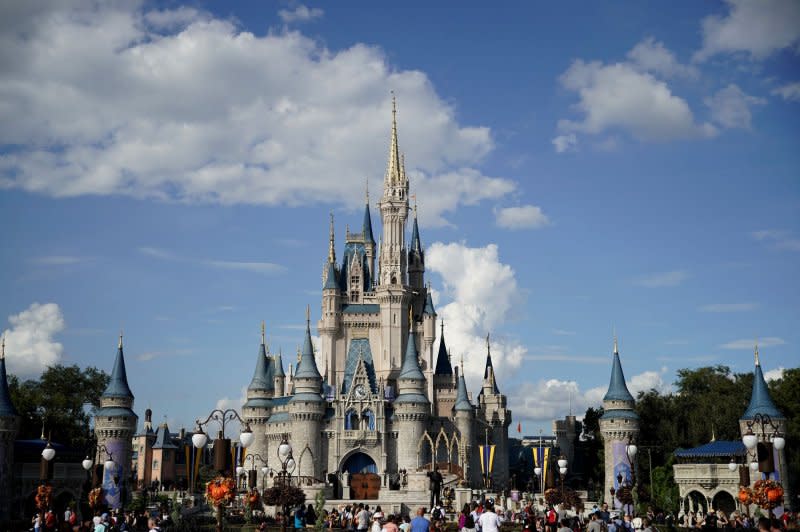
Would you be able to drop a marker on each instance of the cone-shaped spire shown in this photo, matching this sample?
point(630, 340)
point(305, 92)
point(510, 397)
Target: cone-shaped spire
point(307, 366)
point(760, 400)
point(443, 366)
point(279, 372)
point(368, 223)
point(617, 389)
point(411, 369)
point(118, 385)
point(6, 406)
point(462, 398)
point(261, 378)
point(428, 309)
point(488, 372)
point(416, 243)
point(394, 174)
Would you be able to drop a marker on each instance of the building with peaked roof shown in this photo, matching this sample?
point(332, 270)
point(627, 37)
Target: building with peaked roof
point(376, 403)
point(619, 425)
point(705, 477)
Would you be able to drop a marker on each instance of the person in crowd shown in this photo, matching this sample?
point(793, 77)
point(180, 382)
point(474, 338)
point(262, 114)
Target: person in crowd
point(391, 524)
point(594, 523)
point(419, 523)
point(489, 520)
point(405, 525)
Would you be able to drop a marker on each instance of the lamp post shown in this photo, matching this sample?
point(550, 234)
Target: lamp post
point(562, 470)
point(252, 475)
point(109, 465)
point(630, 451)
point(538, 469)
point(222, 446)
point(285, 474)
point(762, 445)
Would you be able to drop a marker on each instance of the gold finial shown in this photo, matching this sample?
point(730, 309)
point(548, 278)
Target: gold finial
point(410, 317)
point(3, 348)
point(414, 197)
point(331, 246)
point(263, 332)
point(614, 332)
point(758, 362)
point(120, 339)
point(299, 354)
point(394, 107)
point(308, 317)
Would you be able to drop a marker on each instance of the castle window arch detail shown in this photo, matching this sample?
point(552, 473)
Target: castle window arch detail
point(368, 417)
point(351, 420)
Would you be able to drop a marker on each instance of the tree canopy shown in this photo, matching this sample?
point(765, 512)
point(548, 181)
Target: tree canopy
point(56, 402)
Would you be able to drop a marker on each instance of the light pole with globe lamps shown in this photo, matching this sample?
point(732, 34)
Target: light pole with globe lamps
point(285, 474)
point(562, 470)
point(762, 445)
point(252, 475)
point(109, 465)
point(630, 451)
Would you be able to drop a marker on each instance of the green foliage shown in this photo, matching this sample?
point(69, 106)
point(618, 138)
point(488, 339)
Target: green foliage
point(284, 495)
point(57, 399)
point(664, 491)
point(176, 509)
point(786, 394)
point(138, 504)
point(319, 509)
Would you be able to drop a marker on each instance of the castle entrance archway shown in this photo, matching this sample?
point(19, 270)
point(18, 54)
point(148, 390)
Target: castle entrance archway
point(365, 483)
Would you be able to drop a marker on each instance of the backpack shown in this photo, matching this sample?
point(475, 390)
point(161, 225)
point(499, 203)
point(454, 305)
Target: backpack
point(50, 520)
point(552, 517)
point(437, 513)
point(73, 518)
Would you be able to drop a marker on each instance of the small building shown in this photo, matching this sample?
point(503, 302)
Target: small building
point(704, 476)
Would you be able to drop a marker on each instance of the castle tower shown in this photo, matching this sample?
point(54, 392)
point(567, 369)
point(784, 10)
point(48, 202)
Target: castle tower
point(307, 408)
point(763, 419)
point(445, 382)
point(256, 410)
point(114, 426)
point(9, 427)
point(494, 411)
point(280, 376)
point(416, 266)
point(411, 408)
point(143, 443)
point(369, 243)
point(331, 299)
point(619, 424)
point(464, 419)
point(428, 337)
point(392, 291)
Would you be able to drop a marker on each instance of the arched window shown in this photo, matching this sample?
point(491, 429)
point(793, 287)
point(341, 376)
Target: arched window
point(369, 419)
point(351, 420)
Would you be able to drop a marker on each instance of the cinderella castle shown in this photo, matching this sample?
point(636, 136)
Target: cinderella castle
point(377, 407)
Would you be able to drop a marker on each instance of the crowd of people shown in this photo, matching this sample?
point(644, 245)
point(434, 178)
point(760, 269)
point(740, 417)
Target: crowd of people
point(100, 522)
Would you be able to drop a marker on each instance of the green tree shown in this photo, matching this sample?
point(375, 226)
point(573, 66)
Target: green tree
point(786, 394)
point(56, 402)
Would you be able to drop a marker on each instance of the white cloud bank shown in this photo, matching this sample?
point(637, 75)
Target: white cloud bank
point(750, 343)
point(179, 105)
point(30, 343)
point(483, 294)
point(522, 217)
point(663, 279)
point(300, 13)
point(758, 29)
point(730, 107)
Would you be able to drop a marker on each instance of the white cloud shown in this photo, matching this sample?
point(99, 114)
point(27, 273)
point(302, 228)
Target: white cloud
point(30, 342)
point(152, 355)
point(620, 97)
point(750, 343)
point(300, 14)
point(522, 217)
point(231, 427)
point(730, 107)
point(658, 280)
point(728, 307)
point(789, 91)
point(151, 113)
point(774, 374)
point(756, 28)
point(548, 399)
point(565, 143)
point(263, 268)
point(777, 238)
point(652, 56)
point(483, 295)
point(59, 260)
point(563, 332)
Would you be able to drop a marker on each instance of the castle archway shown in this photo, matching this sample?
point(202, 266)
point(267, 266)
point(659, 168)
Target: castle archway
point(365, 483)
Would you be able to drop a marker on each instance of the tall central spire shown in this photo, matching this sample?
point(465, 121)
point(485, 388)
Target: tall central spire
point(394, 171)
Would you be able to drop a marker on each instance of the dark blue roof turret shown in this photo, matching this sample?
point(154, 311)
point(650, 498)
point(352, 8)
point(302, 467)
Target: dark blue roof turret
point(6, 406)
point(760, 400)
point(462, 399)
point(164, 438)
point(279, 372)
point(307, 367)
point(411, 369)
point(428, 309)
point(331, 282)
point(262, 376)
point(488, 372)
point(617, 389)
point(443, 366)
point(368, 224)
point(118, 385)
point(416, 243)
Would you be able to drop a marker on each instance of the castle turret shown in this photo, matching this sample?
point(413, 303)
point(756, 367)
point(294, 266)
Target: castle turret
point(258, 407)
point(280, 376)
point(464, 418)
point(307, 408)
point(9, 427)
point(369, 243)
point(619, 425)
point(331, 297)
point(444, 380)
point(494, 411)
point(763, 420)
point(416, 265)
point(428, 337)
point(114, 427)
point(411, 407)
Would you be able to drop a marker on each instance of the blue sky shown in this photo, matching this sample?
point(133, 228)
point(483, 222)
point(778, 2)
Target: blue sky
point(169, 168)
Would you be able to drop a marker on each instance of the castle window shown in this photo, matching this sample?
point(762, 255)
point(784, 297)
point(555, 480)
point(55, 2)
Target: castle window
point(369, 419)
point(351, 420)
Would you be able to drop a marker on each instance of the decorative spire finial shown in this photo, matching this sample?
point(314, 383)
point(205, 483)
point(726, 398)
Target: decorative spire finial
point(308, 317)
point(758, 362)
point(442, 326)
point(462, 363)
point(487, 342)
point(263, 332)
point(3, 348)
point(120, 339)
point(394, 109)
point(331, 247)
point(414, 197)
point(367, 192)
point(410, 318)
point(616, 351)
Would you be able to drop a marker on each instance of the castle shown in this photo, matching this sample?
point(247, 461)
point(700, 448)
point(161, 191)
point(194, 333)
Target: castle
point(376, 400)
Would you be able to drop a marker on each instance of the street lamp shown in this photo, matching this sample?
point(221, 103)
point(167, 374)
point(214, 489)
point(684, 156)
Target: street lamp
point(762, 445)
point(251, 473)
point(287, 467)
point(630, 451)
point(562, 469)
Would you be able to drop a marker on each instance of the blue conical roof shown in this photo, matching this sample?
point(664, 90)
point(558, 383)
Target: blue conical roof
point(307, 366)
point(368, 225)
point(489, 365)
point(411, 369)
point(617, 389)
point(331, 281)
point(118, 385)
point(429, 305)
point(443, 366)
point(416, 243)
point(760, 400)
point(262, 376)
point(279, 365)
point(164, 438)
point(462, 399)
point(6, 406)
